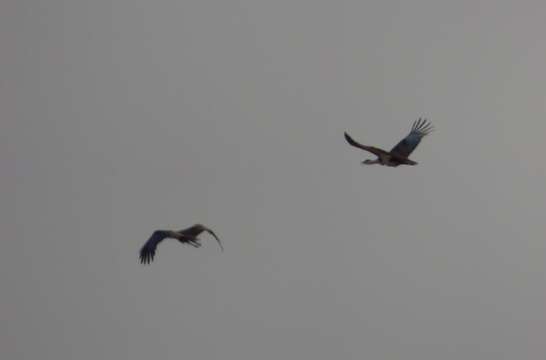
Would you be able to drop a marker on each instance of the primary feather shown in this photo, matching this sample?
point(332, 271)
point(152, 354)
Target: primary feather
point(147, 252)
point(420, 129)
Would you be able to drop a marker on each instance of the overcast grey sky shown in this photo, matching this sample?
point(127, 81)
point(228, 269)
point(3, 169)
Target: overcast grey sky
point(120, 117)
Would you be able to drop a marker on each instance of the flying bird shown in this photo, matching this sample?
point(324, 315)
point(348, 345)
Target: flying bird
point(399, 155)
point(185, 236)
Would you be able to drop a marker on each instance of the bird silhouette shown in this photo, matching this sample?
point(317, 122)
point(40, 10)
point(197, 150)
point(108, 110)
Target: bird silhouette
point(399, 155)
point(185, 236)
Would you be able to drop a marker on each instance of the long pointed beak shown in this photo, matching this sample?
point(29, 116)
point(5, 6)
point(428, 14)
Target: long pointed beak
point(217, 239)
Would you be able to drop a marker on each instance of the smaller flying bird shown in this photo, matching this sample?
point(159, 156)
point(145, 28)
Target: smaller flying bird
point(185, 236)
point(399, 155)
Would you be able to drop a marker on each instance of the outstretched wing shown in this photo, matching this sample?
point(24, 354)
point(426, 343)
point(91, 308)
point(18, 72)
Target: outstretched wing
point(405, 147)
point(373, 150)
point(147, 252)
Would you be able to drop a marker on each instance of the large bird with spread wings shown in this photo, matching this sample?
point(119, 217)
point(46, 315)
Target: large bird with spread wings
point(399, 155)
point(185, 236)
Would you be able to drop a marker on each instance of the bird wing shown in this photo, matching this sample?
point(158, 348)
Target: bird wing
point(405, 147)
point(147, 252)
point(373, 150)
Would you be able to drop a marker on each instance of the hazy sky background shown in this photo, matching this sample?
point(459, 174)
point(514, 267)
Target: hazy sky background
point(123, 116)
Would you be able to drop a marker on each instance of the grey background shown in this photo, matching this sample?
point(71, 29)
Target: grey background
point(120, 117)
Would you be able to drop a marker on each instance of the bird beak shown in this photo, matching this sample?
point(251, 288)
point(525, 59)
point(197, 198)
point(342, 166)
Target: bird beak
point(217, 239)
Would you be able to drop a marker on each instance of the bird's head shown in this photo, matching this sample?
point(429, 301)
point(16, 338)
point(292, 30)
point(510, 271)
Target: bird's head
point(200, 227)
point(370, 162)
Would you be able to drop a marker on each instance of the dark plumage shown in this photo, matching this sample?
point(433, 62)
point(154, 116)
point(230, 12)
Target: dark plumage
point(400, 153)
point(185, 236)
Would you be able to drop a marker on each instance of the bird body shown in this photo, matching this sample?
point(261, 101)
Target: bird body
point(185, 236)
point(399, 154)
